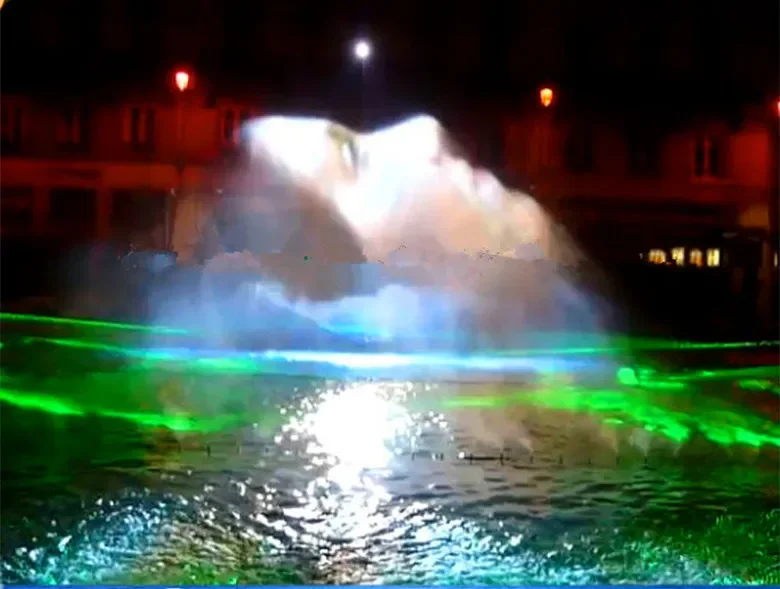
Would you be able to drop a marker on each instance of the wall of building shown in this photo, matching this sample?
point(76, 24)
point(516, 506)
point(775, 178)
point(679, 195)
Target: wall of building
point(695, 182)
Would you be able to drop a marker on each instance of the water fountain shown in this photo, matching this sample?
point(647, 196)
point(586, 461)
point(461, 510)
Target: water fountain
point(390, 235)
point(227, 465)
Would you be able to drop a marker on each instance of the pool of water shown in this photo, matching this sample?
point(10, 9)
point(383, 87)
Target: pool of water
point(380, 481)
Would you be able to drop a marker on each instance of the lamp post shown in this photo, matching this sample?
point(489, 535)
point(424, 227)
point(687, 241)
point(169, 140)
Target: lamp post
point(362, 50)
point(182, 82)
point(546, 99)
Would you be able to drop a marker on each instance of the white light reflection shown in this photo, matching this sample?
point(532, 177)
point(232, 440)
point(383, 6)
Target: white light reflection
point(354, 433)
point(358, 426)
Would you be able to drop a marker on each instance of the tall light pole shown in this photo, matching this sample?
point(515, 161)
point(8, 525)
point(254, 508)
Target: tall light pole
point(362, 50)
point(182, 82)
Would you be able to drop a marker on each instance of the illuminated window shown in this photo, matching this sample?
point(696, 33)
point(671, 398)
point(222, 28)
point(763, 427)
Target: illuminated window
point(776, 252)
point(696, 258)
point(657, 257)
point(678, 255)
point(713, 257)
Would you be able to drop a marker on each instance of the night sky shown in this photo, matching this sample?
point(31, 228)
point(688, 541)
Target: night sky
point(683, 57)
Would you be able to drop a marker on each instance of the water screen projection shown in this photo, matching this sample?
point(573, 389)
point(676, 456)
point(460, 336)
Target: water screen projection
point(389, 235)
point(406, 312)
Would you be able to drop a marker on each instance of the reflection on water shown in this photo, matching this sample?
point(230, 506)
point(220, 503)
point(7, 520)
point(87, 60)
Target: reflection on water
point(363, 482)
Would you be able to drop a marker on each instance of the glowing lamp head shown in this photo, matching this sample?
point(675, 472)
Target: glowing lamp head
point(546, 96)
point(182, 80)
point(361, 50)
point(777, 106)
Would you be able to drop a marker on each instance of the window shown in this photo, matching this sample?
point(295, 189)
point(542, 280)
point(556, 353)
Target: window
point(140, 127)
point(139, 218)
point(579, 150)
point(657, 256)
point(16, 207)
point(707, 158)
point(678, 256)
point(71, 127)
point(696, 258)
point(73, 211)
point(11, 125)
point(643, 152)
point(713, 257)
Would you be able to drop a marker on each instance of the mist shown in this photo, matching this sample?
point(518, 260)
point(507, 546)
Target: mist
point(390, 236)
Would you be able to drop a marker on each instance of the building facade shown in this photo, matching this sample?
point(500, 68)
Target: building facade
point(84, 171)
point(701, 194)
point(95, 171)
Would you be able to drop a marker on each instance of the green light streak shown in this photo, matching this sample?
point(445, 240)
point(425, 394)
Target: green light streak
point(182, 423)
point(582, 344)
point(91, 323)
point(576, 344)
point(720, 422)
point(669, 404)
point(40, 402)
point(757, 378)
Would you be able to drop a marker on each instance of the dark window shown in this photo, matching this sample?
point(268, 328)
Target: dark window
point(714, 157)
point(151, 125)
point(643, 152)
point(707, 158)
point(72, 128)
point(73, 211)
point(699, 162)
point(138, 218)
point(142, 127)
point(11, 127)
point(16, 207)
point(579, 150)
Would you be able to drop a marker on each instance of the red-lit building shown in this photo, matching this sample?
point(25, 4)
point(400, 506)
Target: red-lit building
point(699, 194)
point(81, 171)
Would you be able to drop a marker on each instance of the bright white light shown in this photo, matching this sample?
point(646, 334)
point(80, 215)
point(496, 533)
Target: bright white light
point(417, 140)
point(362, 50)
point(300, 145)
point(358, 426)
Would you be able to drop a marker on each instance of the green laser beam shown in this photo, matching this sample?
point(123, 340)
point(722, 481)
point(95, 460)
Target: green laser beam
point(180, 423)
point(91, 323)
point(584, 342)
point(215, 404)
point(642, 376)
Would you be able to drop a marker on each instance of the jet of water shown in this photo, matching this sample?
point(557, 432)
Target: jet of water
point(390, 234)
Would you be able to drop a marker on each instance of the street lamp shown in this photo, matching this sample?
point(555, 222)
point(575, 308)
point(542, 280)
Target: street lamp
point(361, 52)
point(182, 80)
point(546, 96)
point(361, 49)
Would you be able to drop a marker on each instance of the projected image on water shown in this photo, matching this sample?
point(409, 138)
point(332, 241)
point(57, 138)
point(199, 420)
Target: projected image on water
point(390, 236)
